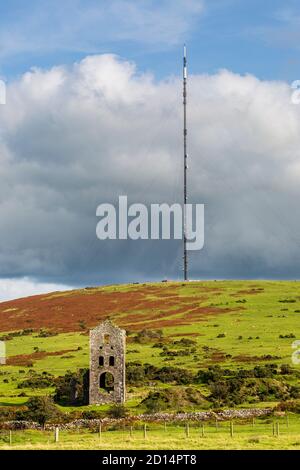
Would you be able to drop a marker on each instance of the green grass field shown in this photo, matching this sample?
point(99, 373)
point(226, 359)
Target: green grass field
point(251, 314)
point(235, 324)
point(245, 436)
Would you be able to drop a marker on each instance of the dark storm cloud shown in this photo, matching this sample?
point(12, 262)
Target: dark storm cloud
point(74, 138)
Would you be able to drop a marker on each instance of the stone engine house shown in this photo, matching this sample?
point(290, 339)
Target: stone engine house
point(107, 364)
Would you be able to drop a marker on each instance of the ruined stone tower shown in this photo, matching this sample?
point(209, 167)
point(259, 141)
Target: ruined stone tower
point(107, 364)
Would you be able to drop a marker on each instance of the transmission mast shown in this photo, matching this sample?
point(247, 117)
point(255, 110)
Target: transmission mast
point(185, 257)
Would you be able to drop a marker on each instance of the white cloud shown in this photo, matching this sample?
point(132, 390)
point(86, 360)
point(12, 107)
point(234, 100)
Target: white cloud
point(72, 138)
point(16, 288)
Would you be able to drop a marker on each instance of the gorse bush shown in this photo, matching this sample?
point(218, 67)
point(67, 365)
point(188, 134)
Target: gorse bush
point(14, 334)
point(137, 374)
point(92, 414)
point(72, 388)
point(227, 387)
point(173, 398)
point(36, 380)
point(234, 391)
point(117, 411)
point(148, 336)
point(42, 410)
point(46, 333)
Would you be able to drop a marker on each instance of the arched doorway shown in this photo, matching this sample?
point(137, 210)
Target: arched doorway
point(106, 382)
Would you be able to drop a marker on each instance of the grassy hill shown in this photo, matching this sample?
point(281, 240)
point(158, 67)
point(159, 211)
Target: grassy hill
point(233, 324)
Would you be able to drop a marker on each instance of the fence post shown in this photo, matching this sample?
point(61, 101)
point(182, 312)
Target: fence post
point(287, 420)
point(202, 430)
point(231, 428)
point(100, 431)
point(165, 426)
point(273, 428)
point(277, 428)
point(187, 430)
point(130, 431)
point(145, 431)
point(217, 424)
point(253, 422)
point(10, 437)
point(56, 434)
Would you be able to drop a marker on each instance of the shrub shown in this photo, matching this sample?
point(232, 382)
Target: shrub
point(172, 398)
point(37, 381)
point(291, 405)
point(117, 411)
point(82, 325)
point(10, 413)
point(290, 335)
point(174, 374)
point(92, 414)
point(72, 388)
point(286, 369)
point(14, 334)
point(212, 374)
point(42, 409)
point(182, 352)
point(135, 373)
point(46, 333)
point(185, 342)
point(148, 336)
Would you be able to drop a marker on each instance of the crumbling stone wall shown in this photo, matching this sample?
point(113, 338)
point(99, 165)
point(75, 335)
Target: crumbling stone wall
point(107, 364)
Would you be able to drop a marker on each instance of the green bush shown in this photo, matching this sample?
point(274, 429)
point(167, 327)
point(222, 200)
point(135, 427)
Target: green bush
point(36, 380)
point(173, 398)
point(117, 411)
point(72, 388)
point(291, 405)
point(137, 374)
point(46, 333)
point(148, 336)
point(92, 414)
point(42, 410)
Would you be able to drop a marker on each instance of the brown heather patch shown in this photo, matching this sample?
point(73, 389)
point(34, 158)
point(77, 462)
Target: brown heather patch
point(185, 334)
point(217, 356)
point(25, 359)
point(141, 307)
point(251, 291)
point(247, 358)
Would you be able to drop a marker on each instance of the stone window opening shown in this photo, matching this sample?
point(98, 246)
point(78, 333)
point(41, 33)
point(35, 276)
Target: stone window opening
point(111, 361)
point(106, 339)
point(101, 361)
point(106, 382)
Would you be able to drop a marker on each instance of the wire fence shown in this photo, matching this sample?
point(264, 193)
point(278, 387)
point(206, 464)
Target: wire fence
point(253, 428)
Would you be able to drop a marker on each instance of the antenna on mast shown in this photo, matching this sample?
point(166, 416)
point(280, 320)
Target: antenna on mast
point(185, 167)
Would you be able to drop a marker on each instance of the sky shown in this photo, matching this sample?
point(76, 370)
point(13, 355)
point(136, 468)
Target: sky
point(94, 110)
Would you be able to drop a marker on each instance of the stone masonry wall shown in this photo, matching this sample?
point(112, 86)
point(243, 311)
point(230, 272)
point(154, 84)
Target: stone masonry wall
point(107, 341)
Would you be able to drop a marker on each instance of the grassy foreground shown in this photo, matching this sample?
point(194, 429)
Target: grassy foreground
point(259, 436)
